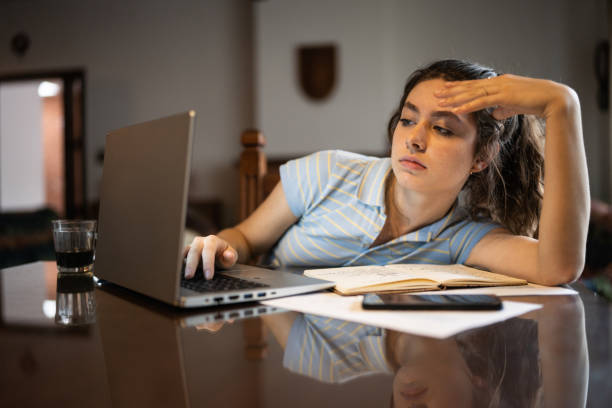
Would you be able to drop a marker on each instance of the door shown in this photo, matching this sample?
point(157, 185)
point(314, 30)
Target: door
point(42, 143)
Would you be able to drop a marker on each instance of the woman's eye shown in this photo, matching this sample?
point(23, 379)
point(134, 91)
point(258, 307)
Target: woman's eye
point(406, 122)
point(443, 131)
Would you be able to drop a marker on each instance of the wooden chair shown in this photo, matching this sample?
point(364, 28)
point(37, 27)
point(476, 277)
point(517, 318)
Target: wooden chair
point(255, 184)
point(258, 175)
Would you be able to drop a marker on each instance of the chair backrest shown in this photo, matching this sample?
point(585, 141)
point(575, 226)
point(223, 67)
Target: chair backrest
point(252, 168)
point(258, 175)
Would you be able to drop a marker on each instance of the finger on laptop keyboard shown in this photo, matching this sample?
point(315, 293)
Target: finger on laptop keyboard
point(211, 247)
point(193, 257)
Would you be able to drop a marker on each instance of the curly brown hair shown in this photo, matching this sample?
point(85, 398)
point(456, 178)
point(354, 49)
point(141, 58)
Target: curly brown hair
point(509, 191)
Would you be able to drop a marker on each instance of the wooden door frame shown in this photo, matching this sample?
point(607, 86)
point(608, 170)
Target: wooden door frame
point(75, 197)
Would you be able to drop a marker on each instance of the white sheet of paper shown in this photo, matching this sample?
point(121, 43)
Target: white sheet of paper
point(438, 324)
point(530, 289)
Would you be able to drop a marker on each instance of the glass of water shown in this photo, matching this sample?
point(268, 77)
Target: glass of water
point(75, 245)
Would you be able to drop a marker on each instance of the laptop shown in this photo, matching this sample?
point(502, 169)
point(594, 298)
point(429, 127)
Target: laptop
point(143, 204)
point(206, 318)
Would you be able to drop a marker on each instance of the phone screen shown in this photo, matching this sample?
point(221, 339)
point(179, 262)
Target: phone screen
point(431, 302)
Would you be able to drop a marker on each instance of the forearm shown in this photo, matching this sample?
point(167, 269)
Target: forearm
point(566, 202)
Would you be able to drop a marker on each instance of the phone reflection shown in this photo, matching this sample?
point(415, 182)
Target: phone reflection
point(539, 359)
point(75, 300)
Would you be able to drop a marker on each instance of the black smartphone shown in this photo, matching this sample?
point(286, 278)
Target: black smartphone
point(406, 301)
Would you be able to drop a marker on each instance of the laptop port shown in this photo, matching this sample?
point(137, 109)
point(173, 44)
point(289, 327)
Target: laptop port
point(218, 299)
point(234, 315)
point(261, 294)
point(248, 313)
point(273, 293)
point(248, 296)
point(234, 297)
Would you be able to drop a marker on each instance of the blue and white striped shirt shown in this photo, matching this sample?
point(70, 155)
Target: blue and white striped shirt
point(339, 198)
point(334, 351)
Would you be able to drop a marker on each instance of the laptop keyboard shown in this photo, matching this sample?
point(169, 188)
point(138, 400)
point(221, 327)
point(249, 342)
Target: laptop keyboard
point(218, 283)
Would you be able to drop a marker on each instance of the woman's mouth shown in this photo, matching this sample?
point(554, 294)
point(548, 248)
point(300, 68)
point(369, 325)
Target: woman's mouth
point(413, 390)
point(411, 163)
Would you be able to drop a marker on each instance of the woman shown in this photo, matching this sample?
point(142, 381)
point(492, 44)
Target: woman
point(462, 185)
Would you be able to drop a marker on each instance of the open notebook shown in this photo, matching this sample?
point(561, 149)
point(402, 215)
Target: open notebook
point(354, 280)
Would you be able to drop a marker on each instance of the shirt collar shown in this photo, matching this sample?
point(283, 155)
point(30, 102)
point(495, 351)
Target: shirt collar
point(372, 186)
point(433, 230)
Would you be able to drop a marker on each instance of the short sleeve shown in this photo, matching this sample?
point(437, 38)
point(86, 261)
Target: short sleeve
point(305, 179)
point(465, 238)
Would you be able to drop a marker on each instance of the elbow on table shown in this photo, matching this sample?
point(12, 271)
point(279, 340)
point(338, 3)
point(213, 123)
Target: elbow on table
point(568, 272)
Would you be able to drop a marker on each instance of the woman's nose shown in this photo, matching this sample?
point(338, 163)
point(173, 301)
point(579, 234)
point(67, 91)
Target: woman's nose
point(416, 139)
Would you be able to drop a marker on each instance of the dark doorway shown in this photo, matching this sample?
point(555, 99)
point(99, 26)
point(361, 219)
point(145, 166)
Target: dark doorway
point(65, 177)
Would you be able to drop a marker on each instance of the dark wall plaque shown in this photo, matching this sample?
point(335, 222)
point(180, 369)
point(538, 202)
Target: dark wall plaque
point(317, 70)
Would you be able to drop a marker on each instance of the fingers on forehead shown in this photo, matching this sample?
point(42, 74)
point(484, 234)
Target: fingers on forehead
point(471, 82)
point(476, 104)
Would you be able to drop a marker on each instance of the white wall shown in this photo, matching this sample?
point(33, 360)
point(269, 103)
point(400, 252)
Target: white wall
point(381, 42)
point(146, 59)
point(22, 181)
point(353, 117)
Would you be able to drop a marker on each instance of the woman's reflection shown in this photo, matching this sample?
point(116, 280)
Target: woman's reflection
point(479, 368)
point(537, 360)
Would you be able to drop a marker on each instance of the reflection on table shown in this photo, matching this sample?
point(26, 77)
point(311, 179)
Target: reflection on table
point(75, 303)
point(498, 365)
point(139, 352)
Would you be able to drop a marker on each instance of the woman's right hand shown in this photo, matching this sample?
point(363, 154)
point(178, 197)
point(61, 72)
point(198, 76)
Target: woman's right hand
point(243, 241)
point(213, 251)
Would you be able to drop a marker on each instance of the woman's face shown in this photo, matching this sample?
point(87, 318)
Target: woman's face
point(432, 149)
point(432, 374)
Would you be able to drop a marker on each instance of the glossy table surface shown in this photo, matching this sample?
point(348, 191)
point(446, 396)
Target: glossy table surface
point(135, 352)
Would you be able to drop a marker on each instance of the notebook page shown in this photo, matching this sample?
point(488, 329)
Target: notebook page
point(358, 276)
point(444, 273)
